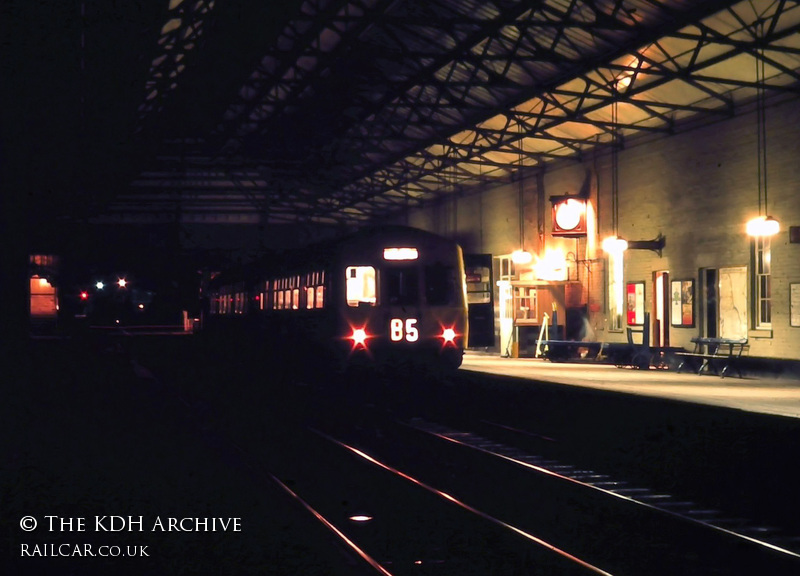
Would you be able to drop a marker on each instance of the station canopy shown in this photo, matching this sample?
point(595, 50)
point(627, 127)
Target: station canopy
point(351, 111)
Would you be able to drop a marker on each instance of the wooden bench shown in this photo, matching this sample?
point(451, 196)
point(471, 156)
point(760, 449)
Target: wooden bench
point(717, 355)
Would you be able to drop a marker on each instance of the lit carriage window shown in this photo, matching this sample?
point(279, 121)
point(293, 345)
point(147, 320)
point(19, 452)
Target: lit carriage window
point(280, 300)
point(310, 297)
point(402, 286)
point(360, 286)
point(295, 298)
point(440, 284)
point(319, 302)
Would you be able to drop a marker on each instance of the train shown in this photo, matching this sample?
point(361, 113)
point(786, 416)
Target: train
point(384, 297)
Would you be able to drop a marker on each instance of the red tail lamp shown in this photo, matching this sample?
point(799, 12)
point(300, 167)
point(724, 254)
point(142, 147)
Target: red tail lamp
point(448, 336)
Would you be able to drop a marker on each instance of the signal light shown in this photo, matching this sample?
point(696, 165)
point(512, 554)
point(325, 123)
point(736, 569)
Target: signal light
point(359, 337)
point(84, 295)
point(448, 337)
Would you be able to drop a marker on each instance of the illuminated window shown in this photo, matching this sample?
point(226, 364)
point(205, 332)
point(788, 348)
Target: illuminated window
point(360, 286)
point(280, 300)
point(43, 298)
point(295, 298)
point(526, 303)
point(762, 272)
point(309, 297)
point(319, 302)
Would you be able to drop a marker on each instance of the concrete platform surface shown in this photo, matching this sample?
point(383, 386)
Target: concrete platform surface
point(776, 396)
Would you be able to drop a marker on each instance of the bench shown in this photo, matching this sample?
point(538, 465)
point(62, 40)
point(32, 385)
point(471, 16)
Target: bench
point(717, 355)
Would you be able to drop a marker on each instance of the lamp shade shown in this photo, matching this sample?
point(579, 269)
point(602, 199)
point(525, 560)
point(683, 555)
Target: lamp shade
point(615, 244)
point(763, 226)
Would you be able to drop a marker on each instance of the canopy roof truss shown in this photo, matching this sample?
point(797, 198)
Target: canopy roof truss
point(348, 111)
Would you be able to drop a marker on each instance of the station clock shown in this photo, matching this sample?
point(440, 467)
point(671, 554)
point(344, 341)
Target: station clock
point(569, 216)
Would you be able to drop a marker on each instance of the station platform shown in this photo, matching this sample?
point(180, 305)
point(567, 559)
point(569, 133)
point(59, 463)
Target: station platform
point(778, 396)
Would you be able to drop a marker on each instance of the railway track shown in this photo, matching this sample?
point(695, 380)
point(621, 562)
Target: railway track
point(441, 499)
point(380, 521)
point(600, 522)
point(765, 536)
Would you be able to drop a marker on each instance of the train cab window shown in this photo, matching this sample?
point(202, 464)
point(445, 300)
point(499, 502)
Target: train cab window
point(440, 284)
point(361, 286)
point(402, 286)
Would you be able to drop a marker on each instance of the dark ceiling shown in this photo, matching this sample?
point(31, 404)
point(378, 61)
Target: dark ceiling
point(337, 111)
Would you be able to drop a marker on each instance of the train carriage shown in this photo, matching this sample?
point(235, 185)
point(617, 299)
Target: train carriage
point(382, 297)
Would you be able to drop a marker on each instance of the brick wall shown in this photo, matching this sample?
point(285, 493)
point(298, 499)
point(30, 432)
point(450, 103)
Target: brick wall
point(696, 188)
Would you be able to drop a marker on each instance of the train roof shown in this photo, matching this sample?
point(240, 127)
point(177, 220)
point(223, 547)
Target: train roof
point(321, 253)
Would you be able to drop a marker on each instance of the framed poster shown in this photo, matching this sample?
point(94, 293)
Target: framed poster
point(635, 303)
point(794, 304)
point(682, 303)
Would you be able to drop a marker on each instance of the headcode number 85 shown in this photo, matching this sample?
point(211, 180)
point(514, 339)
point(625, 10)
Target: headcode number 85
point(399, 330)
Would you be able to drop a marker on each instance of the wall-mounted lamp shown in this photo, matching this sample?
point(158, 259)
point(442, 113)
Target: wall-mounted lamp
point(521, 257)
point(763, 226)
point(615, 245)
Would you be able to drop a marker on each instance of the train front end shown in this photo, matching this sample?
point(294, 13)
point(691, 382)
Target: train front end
point(403, 301)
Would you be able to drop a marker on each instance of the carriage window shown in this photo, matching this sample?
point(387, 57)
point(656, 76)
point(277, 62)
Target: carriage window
point(360, 286)
point(440, 284)
point(320, 296)
point(402, 286)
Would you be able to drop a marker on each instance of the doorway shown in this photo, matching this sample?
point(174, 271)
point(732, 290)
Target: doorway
point(711, 311)
point(661, 308)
